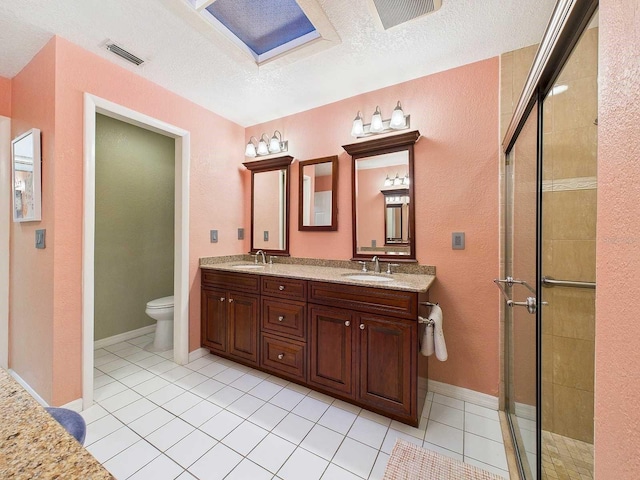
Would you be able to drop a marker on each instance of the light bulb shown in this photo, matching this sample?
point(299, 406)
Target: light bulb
point(376, 121)
point(262, 148)
point(388, 182)
point(406, 180)
point(358, 127)
point(250, 151)
point(274, 144)
point(397, 180)
point(398, 120)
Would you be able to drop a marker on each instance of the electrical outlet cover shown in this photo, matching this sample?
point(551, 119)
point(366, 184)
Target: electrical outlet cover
point(241, 234)
point(457, 240)
point(40, 238)
point(214, 236)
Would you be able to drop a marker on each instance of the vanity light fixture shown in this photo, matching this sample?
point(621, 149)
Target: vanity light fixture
point(266, 145)
point(398, 121)
point(397, 181)
point(388, 182)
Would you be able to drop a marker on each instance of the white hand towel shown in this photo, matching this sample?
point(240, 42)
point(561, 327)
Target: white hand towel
point(438, 340)
point(427, 346)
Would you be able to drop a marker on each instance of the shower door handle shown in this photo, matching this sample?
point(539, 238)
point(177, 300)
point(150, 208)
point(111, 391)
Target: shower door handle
point(530, 303)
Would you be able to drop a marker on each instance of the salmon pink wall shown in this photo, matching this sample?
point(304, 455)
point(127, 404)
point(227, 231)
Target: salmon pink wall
point(456, 170)
point(215, 179)
point(617, 389)
point(5, 97)
point(31, 271)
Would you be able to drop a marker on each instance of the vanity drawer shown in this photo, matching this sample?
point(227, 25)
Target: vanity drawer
point(284, 356)
point(396, 303)
point(284, 287)
point(246, 282)
point(284, 317)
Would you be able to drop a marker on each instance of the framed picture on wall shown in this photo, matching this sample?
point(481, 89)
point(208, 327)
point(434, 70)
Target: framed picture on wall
point(26, 177)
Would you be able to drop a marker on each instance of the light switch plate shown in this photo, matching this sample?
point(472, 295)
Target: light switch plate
point(457, 240)
point(241, 234)
point(40, 238)
point(214, 236)
point(266, 235)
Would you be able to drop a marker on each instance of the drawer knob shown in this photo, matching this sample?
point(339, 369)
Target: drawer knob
point(362, 326)
point(347, 323)
point(281, 318)
point(281, 287)
point(222, 299)
point(281, 356)
point(230, 300)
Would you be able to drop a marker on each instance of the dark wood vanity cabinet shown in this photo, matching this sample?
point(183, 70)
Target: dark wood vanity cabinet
point(357, 343)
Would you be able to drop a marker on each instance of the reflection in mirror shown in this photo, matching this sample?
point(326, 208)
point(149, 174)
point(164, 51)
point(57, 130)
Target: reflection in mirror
point(26, 177)
point(383, 212)
point(270, 205)
point(317, 206)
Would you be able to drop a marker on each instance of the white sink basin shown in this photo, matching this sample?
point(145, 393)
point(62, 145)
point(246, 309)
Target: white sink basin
point(248, 266)
point(365, 277)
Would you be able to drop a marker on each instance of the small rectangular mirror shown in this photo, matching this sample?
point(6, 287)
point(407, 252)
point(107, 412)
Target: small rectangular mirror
point(26, 177)
point(317, 205)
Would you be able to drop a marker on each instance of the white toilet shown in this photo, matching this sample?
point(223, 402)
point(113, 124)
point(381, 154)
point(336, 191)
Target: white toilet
point(161, 310)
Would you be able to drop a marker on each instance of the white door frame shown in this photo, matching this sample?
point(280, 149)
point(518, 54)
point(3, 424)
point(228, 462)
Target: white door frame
point(93, 105)
point(6, 207)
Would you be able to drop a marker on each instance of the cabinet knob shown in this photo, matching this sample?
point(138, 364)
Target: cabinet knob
point(222, 299)
point(230, 299)
point(281, 318)
point(362, 326)
point(347, 323)
point(281, 287)
point(281, 356)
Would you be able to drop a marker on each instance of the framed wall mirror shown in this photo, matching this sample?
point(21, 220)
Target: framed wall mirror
point(318, 188)
point(26, 178)
point(270, 205)
point(382, 196)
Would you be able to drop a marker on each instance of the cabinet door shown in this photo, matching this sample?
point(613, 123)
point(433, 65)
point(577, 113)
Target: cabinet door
point(331, 349)
point(214, 319)
point(243, 326)
point(388, 363)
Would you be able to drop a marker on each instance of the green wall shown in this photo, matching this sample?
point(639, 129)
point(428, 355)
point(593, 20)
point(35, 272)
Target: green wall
point(134, 244)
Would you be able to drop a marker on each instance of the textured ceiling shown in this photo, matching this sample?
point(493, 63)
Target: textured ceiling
point(186, 57)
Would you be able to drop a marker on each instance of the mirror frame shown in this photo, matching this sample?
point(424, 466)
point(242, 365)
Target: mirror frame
point(334, 195)
point(271, 164)
point(36, 186)
point(380, 146)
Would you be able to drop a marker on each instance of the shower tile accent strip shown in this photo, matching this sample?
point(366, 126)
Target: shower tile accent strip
point(570, 184)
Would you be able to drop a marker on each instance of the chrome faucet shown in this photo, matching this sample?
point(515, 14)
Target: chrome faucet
point(376, 264)
point(264, 260)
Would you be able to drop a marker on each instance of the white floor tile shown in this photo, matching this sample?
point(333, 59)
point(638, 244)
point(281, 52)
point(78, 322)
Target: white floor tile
point(268, 416)
point(447, 415)
point(136, 357)
point(246, 470)
point(393, 435)
point(488, 468)
point(303, 465)
point(129, 350)
point(137, 378)
point(293, 428)
point(246, 382)
point(132, 459)
point(337, 419)
point(272, 452)
point(379, 467)
point(485, 450)
point(102, 380)
point(101, 428)
point(265, 390)
point(426, 409)
point(212, 369)
point(321, 396)
point(97, 373)
point(244, 438)
point(277, 380)
point(116, 347)
point(161, 468)
point(191, 448)
point(134, 410)
point(169, 434)
point(207, 388)
point(150, 361)
point(417, 432)
point(444, 436)
point(245, 406)
point(100, 352)
point(139, 341)
point(356, 457)
point(112, 444)
point(120, 400)
point(189, 381)
point(114, 365)
point(348, 407)
point(165, 394)
point(368, 432)
point(437, 448)
point(287, 399)
point(176, 373)
point(107, 391)
point(104, 359)
point(311, 409)
point(186, 476)
point(221, 425)
point(162, 367)
point(375, 417)
point(448, 401)
point(483, 426)
point(168, 354)
point(150, 422)
point(150, 386)
point(481, 411)
point(93, 413)
point(226, 396)
point(216, 463)
point(298, 388)
point(200, 413)
point(322, 441)
point(229, 375)
point(199, 363)
point(182, 403)
point(334, 472)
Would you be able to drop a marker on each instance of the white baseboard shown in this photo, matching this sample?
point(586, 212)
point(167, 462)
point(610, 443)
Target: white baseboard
point(75, 405)
point(196, 354)
point(464, 394)
point(523, 410)
point(121, 337)
point(28, 388)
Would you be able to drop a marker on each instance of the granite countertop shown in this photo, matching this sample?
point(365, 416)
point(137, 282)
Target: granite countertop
point(35, 446)
point(413, 282)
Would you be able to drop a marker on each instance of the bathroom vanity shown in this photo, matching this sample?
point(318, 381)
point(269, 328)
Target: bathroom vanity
point(353, 336)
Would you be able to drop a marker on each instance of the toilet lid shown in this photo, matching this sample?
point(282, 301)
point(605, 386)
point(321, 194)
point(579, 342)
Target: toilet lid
point(163, 302)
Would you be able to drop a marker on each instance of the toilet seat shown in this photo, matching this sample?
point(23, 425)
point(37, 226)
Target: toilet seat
point(164, 302)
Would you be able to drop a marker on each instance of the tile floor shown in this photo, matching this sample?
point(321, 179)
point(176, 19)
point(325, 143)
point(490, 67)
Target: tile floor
point(216, 419)
point(564, 457)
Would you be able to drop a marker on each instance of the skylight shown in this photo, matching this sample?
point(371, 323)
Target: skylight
point(267, 29)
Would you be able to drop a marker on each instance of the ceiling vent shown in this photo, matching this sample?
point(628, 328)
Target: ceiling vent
point(122, 53)
point(395, 12)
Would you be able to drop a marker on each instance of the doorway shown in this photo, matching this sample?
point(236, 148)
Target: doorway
point(92, 106)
